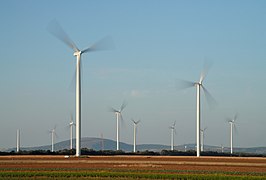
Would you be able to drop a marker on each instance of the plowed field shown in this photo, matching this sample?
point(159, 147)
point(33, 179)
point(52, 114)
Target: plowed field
point(156, 164)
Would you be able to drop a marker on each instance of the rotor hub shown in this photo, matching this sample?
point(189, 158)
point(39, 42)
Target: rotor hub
point(77, 53)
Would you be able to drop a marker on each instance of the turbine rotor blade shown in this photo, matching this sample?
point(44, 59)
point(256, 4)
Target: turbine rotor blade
point(72, 85)
point(133, 121)
point(235, 117)
point(55, 29)
point(211, 101)
point(121, 117)
point(71, 117)
point(72, 123)
point(235, 129)
point(56, 135)
point(123, 106)
point(229, 120)
point(183, 84)
point(105, 43)
point(204, 72)
point(112, 110)
point(122, 120)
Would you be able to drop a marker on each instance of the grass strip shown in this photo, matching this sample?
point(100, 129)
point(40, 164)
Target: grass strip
point(74, 170)
point(117, 175)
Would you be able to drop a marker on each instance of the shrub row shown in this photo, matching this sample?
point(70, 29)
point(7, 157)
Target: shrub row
point(85, 151)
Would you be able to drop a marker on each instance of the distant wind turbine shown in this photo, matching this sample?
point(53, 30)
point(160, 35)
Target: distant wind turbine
point(53, 134)
point(232, 125)
point(186, 84)
point(118, 114)
point(71, 124)
point(202, 131)
point(103, 44)
point(102, 142)
point(135, 134)
point(172, 135)
point(18, 140)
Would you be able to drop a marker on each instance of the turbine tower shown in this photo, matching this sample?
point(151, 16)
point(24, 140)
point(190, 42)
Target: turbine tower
point(232, 125)
point(135, 134)
point(172, 135)
point(58, 32)
point(202, 131)
point(18, 140)
point(118, 114)
point(199, 85)
point(53, 134)
point(71, 124)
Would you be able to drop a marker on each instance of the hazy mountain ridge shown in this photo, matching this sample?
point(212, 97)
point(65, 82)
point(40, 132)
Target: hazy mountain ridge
point(107, 144)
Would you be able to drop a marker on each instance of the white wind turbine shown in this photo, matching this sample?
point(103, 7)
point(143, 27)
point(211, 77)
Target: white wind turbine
point(135, 133)
point(172, 135)
point(232, 125)
point(53, 134)
point(118, 114)
point(202, 131)
point(58, 32)
point(186, 84)
point(71, 124)
point(18, 140)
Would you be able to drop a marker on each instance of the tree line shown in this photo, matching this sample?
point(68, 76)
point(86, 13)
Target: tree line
point(86, 151)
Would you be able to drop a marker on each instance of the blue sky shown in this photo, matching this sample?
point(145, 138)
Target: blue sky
point(156, 42)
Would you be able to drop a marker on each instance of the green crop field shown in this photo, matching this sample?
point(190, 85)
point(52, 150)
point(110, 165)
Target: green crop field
point(125, 174)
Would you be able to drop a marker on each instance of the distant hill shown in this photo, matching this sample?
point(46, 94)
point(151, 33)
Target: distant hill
point(96, 144)
point(107, 144)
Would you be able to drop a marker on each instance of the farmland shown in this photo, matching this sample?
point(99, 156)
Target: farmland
point(132, 167)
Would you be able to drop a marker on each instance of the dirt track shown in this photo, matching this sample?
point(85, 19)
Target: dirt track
point(225, 164)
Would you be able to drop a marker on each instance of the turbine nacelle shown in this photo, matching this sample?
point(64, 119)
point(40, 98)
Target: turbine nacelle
point(135, 122)
point(71, 123)
point(200, 83)
point(203, 129)
point(197, 84)
point(117, 112)
point(77, 53)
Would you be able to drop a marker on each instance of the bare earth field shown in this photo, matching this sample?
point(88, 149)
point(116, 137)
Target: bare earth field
point(158, 164)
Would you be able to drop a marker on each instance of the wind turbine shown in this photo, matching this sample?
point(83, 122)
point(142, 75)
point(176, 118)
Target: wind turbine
point(118, 114)
point(202, 131)
point(102, 142)
point(53, 134)
point(18, 140)
point(135, 133)
point(58, 32)
point(71, 124)
point(232, 125)
point(187, 84)
point(172, 135)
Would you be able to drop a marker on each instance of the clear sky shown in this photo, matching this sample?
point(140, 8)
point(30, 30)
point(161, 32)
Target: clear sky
point(156, 42)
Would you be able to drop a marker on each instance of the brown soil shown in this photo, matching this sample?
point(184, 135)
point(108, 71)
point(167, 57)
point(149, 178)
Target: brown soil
point(224, 164)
